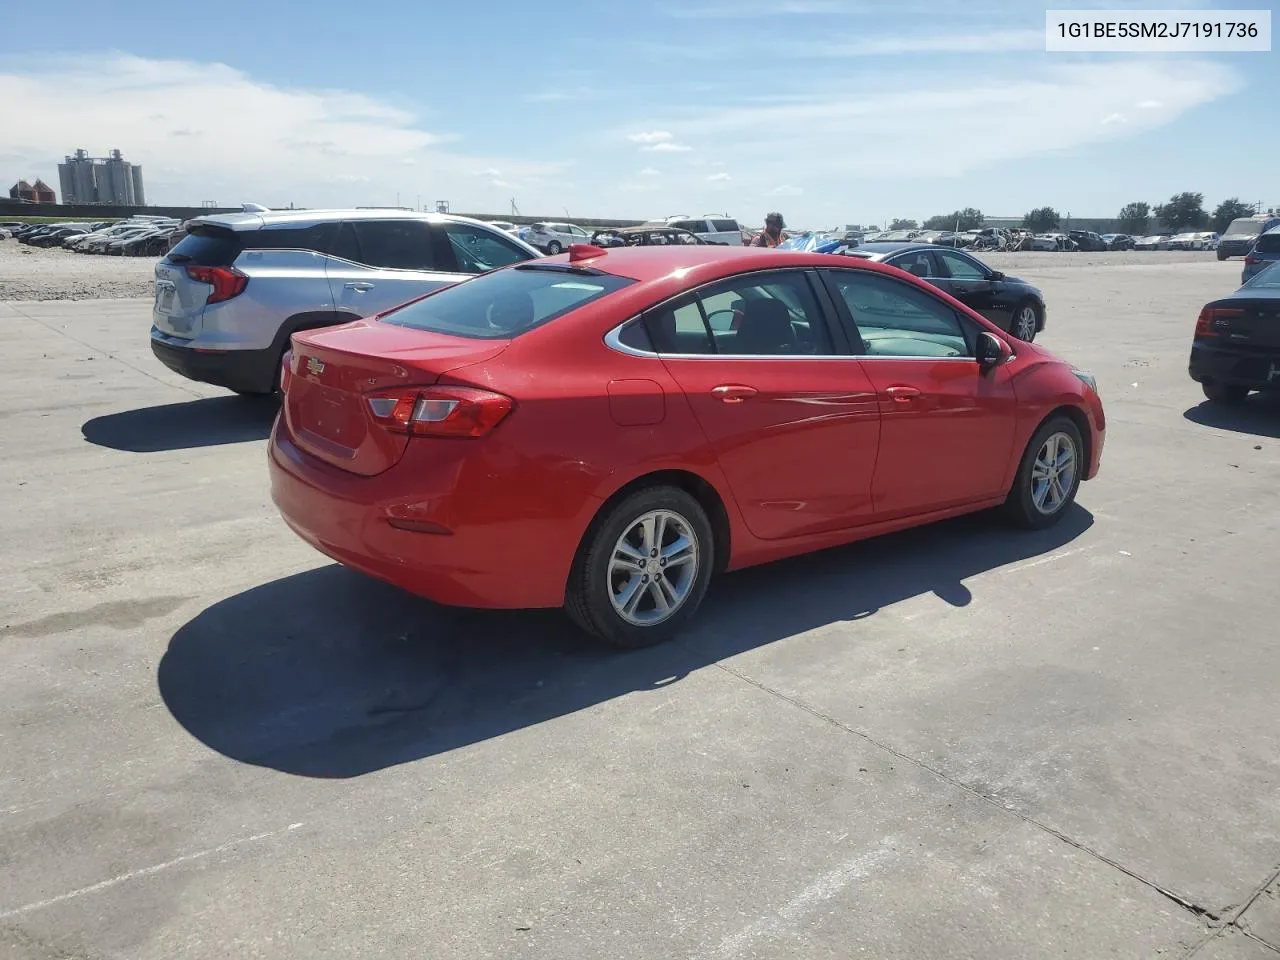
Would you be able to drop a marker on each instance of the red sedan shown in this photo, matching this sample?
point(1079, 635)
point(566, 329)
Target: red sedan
point(603, 431)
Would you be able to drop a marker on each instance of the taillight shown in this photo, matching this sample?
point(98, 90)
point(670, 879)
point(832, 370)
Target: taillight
point(439, 411)
point(286, 371)
point(1250, 258)
point(227, 282)
point(1213, 320)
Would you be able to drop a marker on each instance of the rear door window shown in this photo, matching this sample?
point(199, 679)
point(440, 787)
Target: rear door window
point(465, 248)
point(959, 267)
point(317, 237)
point(1267, 243)
point(506, 303)
point(724, 226)
point(693, 226)
point(770, 314)
point(392, 244)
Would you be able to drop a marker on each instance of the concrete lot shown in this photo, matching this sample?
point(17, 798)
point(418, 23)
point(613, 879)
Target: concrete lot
point(964, 741)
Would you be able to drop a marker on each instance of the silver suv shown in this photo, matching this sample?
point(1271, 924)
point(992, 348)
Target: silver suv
point(233, 291)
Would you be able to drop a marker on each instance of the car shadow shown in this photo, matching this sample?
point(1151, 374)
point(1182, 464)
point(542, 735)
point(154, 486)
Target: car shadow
point(330, 674)
point(1259, 415)
point(208, 422)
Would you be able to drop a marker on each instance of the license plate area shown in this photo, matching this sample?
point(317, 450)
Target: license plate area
point(165, 294)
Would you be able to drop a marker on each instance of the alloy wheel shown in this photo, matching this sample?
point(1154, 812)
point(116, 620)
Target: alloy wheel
point(1053, 474)
point(653, 568)
point(1025, 324)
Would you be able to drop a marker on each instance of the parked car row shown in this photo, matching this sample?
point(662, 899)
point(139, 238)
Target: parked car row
point(138, 236)
point(1204, 240)
point(553, 237)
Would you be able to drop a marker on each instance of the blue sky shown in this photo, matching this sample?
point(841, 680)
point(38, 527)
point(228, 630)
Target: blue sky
point(833, 111)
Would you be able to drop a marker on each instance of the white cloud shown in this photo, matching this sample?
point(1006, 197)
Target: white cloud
point(1052, 108)
point(649, 136)
point(756, 8)
point(648, 172)
point(718, 177)
point(992, 41)
point(260, 142)
point(667, 146)
point(1150, 105)
point(545, 96)
point(785, 190)
point(1114, 118)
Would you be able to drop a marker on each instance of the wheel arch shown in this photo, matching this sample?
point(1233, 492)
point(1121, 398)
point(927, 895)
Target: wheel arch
point(698, 487)
point(1081, 421)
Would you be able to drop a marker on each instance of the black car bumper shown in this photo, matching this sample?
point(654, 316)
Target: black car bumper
point(1257, 370)
point(244, 371)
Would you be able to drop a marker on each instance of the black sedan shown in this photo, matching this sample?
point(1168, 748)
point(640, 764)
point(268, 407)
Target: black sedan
point(1236, 347)
point(1010, 303)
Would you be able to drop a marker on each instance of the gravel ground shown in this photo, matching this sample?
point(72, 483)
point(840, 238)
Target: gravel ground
point(36, 273)
point(33, 273)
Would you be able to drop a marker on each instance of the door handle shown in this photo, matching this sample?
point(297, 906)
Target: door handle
point(359, 286)
point(733, 392)
point(902, 394)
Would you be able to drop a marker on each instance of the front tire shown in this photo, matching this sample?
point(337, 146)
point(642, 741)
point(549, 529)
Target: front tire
point(1048, 476)
point(622, 589)
point(553, 248)
point(1223, 393)
point(1221, 255)
point(1025, 322)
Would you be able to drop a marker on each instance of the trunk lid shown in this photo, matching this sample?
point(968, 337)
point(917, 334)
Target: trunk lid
point(334, 370)
point(1257, 323)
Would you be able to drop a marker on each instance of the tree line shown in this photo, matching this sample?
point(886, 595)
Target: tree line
point(1184, 212)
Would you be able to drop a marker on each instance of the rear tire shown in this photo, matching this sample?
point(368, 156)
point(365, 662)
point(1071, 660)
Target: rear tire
point(1049, 475)
point(622, 574)
point(553, 248)
point(1223, 393)
point(1221, 255)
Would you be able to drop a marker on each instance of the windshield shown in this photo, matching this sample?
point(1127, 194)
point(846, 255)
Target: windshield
point(506, 303)
point(1244, 227)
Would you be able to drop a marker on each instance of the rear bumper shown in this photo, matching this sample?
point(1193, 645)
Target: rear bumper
point(245, 371)
point(1235, 367)
point(494, 550)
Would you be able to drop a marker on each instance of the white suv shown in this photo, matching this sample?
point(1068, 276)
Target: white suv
point(553, 238)
point(711, 228)
point(233, 291)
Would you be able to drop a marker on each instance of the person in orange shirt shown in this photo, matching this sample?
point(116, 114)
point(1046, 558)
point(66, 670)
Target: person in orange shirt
point(771, 236)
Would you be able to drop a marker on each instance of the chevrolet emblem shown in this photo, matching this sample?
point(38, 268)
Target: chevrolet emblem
point(315, 367)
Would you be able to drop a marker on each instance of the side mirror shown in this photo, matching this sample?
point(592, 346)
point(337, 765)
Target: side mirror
point(996, 275)
point(992, 351)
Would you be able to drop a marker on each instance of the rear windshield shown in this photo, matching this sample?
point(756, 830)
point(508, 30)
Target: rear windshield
point(506, 303)
point(206, 246)
point(1244, 227)
point(1270, 277)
